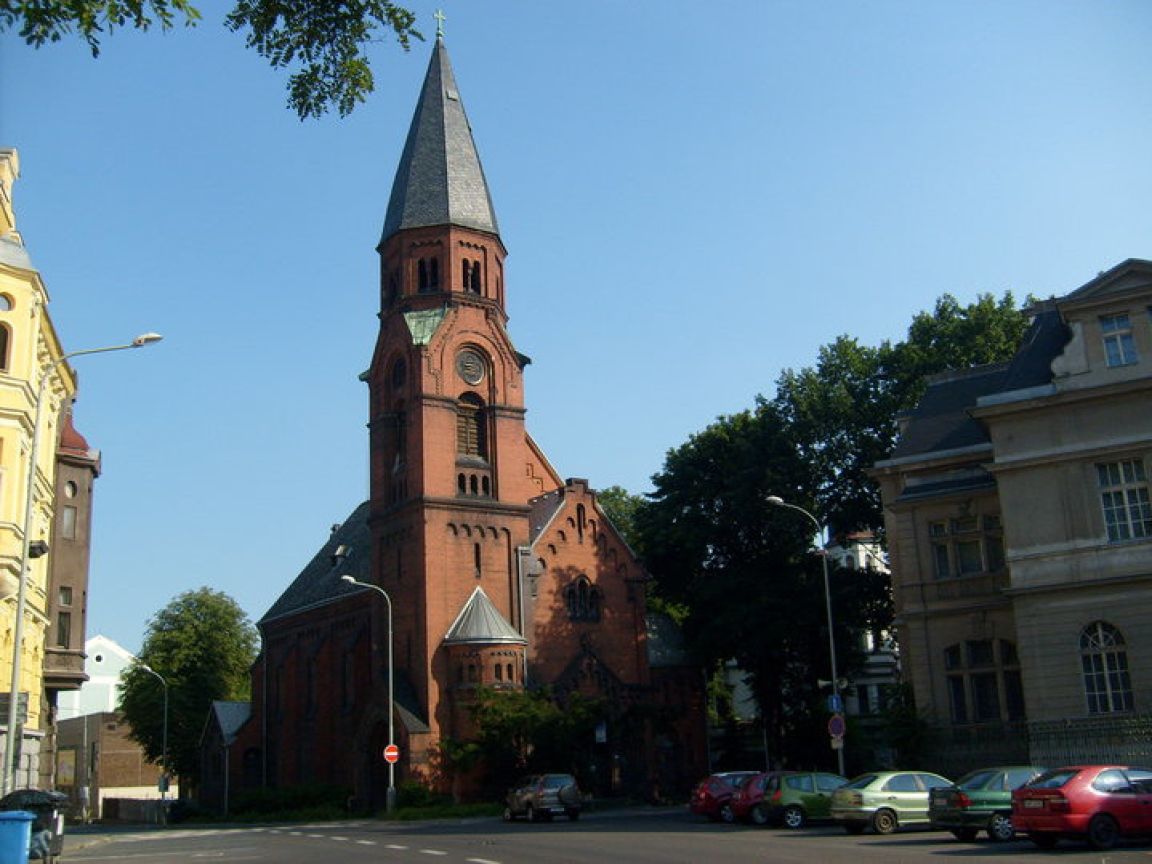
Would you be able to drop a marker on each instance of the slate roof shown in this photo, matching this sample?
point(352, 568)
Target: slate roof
point(13, 253)
point(319, 582)
point(439, 180)
point(479, 622)
point(541, 510)
point(941, 421)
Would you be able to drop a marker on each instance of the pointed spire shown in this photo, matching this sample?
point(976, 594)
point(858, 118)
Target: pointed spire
point(439, 180)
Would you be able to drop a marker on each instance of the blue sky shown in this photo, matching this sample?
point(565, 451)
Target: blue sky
point(694, 197)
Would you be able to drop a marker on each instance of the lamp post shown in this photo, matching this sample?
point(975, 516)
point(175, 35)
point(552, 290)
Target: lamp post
point(8, 773)
point(777, 501)
point(163, 741)
point(390, 800)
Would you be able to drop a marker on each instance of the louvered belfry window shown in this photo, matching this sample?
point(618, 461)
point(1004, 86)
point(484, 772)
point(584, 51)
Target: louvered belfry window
point(471, 433)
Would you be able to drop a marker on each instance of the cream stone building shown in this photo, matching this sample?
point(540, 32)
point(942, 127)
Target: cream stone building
point(1020, 537)
point(28, 346)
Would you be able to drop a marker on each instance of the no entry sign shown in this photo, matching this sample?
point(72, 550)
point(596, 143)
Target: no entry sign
point(392, 753)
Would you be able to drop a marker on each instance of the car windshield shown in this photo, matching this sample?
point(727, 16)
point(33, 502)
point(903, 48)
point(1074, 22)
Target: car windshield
point(1053, 779)
point(557, 781)
point(976, 780)
point(861, 782)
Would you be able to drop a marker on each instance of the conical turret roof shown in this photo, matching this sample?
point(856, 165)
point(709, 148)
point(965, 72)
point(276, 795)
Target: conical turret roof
point(479, 622)
point(439, 180)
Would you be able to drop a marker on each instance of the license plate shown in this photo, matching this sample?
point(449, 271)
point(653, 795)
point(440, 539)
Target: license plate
point(1033, 803)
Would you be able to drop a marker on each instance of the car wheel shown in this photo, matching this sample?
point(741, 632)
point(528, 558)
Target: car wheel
point(854, 827)
point(573, 815)
point(1000, 828)
point(794, 817)
point(726, 814)
point(884, 822)
point(508, 817)
point(1103, 832)
point(530, 814)
point(965, 834)
point(758, 815)
point(1044, 841)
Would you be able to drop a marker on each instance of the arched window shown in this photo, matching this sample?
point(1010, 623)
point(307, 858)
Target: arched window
point(427, 274)
point(474, 280)
point(3, 347)
point(471, 431)
point(1104, 662)
point(582, 600)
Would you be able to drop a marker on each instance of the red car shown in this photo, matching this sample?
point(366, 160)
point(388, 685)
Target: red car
point(1097, 803)
point(712, 796)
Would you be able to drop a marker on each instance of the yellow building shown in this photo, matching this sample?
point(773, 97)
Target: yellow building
point(28, 346)
point(1019, 513)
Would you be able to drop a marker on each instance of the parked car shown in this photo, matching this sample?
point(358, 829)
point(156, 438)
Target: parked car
point(542, 796)
point(712, 796)
point(885, 800)
point(980, 801)
point(1097, 803)
point(788, 798)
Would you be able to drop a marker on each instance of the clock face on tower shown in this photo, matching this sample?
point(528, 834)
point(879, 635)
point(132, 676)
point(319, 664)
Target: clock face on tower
point(470, 366)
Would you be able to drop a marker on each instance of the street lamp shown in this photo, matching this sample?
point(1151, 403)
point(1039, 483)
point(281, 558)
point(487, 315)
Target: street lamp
point(390, 800)
point(163, 740)
point(777, 501)
point(8, 773)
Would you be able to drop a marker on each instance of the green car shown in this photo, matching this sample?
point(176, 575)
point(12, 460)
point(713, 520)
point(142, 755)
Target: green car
point(980, 801)
point(885, 800)
point(788, 798)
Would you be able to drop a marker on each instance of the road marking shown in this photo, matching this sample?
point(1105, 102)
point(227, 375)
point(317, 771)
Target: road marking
point(481, 861)
point(432, 852)
point(341, 839)
point(366, 842)
point(395, 846)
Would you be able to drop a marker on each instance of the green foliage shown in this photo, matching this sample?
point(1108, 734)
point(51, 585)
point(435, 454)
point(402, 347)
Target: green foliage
point(323, 40)
point(841, 414)
point(742, 569)
point(413, 793)
point(523, 731)
point(202, 644)
point(621, 506)
point(289, 802)
point(326, 40)
point(42, 21)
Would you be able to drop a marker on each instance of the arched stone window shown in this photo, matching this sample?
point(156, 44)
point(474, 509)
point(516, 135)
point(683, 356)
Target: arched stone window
point(4, 347)
point(1104, 663)
point(582, 600)
point(471, 430)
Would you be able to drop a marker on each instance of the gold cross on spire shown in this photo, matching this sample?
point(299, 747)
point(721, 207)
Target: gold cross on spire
point(439, 16)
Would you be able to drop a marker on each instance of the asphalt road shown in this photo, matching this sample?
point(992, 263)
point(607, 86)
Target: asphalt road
point(630, 836)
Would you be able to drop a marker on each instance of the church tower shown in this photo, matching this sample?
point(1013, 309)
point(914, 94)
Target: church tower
point(452, 469)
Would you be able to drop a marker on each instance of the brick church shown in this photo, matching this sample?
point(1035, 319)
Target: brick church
point(498, 572)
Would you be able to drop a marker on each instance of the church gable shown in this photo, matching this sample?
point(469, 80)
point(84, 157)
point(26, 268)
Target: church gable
point(585, 586)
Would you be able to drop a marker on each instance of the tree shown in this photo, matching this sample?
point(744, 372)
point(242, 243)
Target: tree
point(324, 40)
point(528, 730)
point(842, 413)
point(622, 507)
point(202, 644)
point(742, 570)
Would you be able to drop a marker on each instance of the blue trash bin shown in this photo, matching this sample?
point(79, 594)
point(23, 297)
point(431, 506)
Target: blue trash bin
point(15, 836)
